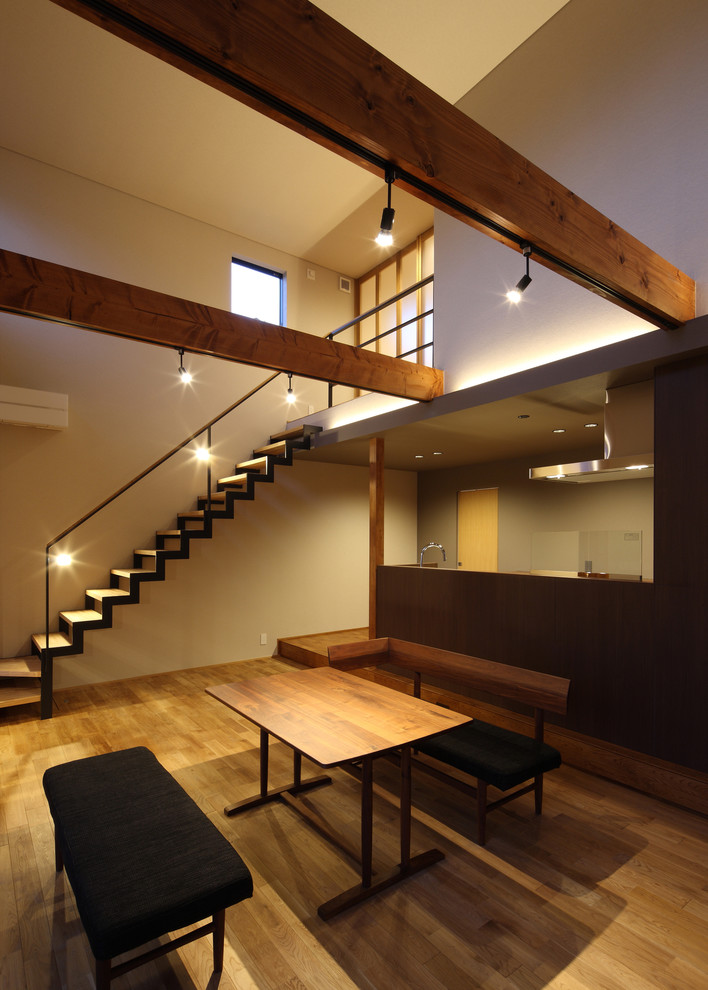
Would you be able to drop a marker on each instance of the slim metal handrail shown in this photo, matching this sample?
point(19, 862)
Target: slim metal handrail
point(399, 326)
point(124, 488)
point(376, 309)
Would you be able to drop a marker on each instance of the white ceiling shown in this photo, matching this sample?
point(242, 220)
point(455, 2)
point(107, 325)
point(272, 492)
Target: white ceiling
point(502, 430)
point(77, 98)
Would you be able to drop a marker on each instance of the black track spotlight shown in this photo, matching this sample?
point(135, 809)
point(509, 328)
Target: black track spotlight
point(384, 237)
point(514, 295)
point(182, 371)
point(290, 397)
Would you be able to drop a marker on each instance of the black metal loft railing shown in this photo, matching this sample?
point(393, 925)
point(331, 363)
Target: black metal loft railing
point(386, 333)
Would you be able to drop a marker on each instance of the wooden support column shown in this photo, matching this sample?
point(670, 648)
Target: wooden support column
point(376, 522)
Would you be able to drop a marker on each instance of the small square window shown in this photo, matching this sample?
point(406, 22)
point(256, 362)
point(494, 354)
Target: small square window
point(257, 292)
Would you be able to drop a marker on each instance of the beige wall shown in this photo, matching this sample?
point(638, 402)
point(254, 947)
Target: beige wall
point(527, 507)
point(127, 408)
point(292, 561)
point(605, 98)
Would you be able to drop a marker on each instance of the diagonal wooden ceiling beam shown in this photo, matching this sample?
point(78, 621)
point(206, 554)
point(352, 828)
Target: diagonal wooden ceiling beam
point(291, 61)
point(44, 290)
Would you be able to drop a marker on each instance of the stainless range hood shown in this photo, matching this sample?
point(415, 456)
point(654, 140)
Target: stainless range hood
point(629, 441)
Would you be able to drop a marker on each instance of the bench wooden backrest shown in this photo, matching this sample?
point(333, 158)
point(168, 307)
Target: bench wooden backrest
point(543, 691)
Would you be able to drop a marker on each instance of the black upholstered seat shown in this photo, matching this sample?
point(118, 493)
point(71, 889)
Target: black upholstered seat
point(143, 860)
point(498, 756)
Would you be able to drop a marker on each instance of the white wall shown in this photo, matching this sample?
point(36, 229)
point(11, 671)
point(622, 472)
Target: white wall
point(127, 408)
point(609, 99)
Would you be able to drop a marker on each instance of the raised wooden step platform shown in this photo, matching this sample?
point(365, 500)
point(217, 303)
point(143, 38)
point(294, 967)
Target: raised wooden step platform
point(312, 650)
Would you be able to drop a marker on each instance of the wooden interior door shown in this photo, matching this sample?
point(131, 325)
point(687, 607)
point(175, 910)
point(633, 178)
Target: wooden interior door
point(478, 529)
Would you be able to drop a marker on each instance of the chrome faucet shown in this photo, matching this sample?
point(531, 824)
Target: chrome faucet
point(439, 546)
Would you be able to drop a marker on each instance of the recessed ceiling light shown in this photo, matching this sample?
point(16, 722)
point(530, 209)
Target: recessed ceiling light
point(437, 453)
point(418, 456)
point(589, 426)
point(559, 431)
point(523, 416)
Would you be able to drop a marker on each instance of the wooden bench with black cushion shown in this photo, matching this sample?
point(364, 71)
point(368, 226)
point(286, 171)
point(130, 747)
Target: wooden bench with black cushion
point(494, 755)
point(143, 860)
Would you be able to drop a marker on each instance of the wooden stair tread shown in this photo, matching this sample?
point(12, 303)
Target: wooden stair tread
point(292, 434)
point(194, 514)
point(295, 433)
point(21, 667)
point(170, 532)
point(81, 615)
point(234, 480)
point(146, 553)
point(253, 464)
point(276, 449)
point(101, 593)
point(127, 571)
point(18, 694)
point(56, 640)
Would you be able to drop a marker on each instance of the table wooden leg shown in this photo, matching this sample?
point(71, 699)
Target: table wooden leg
point(264, 762)
point(367, 828)
point(405, 806)
point(408, 865)
point(288, 792)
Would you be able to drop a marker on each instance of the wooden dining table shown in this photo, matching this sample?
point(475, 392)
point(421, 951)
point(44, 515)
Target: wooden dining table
point(338, 719)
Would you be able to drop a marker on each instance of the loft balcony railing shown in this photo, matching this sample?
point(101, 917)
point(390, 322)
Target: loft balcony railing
point(417, 319)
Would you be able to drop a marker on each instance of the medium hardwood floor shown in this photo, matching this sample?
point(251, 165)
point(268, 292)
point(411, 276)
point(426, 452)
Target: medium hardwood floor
point(607, 891)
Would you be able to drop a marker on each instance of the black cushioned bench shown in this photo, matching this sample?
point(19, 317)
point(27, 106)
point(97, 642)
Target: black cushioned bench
point(143, 860)
point(493, 755)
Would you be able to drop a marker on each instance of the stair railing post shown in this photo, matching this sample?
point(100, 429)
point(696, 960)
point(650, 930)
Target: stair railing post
point(46, 672)
point(209, 469)
point(330, 386)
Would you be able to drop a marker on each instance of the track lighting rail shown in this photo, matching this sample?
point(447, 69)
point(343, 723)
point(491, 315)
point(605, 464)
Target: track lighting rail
point(287, 103)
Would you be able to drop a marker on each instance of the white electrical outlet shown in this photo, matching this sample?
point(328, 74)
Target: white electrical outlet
point(264, 639)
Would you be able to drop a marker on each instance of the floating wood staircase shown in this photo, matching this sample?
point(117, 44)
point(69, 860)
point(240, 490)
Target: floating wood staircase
point(29, 679)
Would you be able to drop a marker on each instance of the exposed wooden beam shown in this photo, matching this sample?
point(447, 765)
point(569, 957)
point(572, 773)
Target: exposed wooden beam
point(291, 61)
point(44, 290)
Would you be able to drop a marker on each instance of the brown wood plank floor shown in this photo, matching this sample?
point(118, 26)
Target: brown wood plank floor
point(609, 889)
